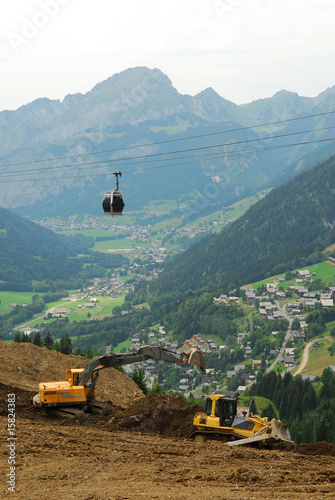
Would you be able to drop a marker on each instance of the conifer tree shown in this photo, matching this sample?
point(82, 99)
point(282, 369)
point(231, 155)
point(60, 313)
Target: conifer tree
point(138, 377)
point(17, 337)
point(65, 344)
point(48, 341)
point(37, 339)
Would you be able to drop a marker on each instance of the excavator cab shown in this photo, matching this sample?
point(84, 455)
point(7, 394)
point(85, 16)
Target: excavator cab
point(65, 392)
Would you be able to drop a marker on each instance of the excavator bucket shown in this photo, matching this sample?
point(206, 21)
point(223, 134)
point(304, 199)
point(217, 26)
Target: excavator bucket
point(195, 357)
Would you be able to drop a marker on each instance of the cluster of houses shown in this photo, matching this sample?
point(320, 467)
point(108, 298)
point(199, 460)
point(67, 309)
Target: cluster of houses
point(107, 287)
point(310, 299)
point(226, 300)
point(205, 346)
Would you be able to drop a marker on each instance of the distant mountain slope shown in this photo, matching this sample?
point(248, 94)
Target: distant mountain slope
point(30, 252)
point(138, 113)
point(287, 228)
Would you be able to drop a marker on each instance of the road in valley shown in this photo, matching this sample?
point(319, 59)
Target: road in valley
point(279, 358)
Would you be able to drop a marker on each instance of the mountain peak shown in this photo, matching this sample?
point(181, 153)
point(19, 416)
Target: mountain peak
point(149, 78)
point(286, 93)
point(216, 106)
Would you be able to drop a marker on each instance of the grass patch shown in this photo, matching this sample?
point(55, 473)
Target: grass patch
point(179, 126)
point(18, 298)
point(103, 308)
point(262, 403)
point(319, 358)
point(325, 271)
point(118, 244)
point(123, 345)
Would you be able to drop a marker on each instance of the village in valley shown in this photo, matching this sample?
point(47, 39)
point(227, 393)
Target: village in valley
point(286, 297)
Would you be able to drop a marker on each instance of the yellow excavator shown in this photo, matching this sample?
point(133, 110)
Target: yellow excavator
point(220, 421)
point(78, 388)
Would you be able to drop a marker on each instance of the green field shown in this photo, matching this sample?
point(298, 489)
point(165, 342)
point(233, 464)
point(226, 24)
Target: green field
point(95, 233)
point(18, 298)
point(319, 358)
point(324, 271)
point(119, 244)
point(123, 345)
point(180, 125)
point(103, 308)
point(232, 212)
point(260, 402)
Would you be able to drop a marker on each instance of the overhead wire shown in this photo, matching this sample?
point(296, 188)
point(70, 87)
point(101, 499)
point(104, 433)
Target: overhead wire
point(158, 156)
point(249, 127)
point(225, 155)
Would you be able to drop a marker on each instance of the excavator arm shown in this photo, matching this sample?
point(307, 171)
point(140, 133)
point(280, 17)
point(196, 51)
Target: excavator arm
point(80, 389)
point(193, 357)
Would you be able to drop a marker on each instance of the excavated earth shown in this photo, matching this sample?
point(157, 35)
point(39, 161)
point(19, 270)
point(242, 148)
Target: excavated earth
point(135, 447)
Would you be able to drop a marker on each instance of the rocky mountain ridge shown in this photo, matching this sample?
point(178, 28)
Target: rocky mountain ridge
point(140, 106)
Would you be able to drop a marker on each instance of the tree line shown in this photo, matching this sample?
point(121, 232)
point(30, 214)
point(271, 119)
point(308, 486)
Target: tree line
point(271, 237)
point(309, 413)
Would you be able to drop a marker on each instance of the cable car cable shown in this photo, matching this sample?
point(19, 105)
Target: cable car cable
point(250, 127)
point(227, 154)
point(155, 155)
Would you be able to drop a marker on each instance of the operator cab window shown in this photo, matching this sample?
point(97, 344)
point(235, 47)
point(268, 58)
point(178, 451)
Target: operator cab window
point(208, 406)
point(226, 410)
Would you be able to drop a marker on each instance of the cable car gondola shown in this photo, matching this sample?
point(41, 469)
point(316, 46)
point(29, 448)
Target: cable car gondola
point(113, 203)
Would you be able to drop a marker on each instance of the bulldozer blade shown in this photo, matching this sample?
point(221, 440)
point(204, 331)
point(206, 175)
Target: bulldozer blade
point(280, 431)
point(252, 439)
point(195, 357)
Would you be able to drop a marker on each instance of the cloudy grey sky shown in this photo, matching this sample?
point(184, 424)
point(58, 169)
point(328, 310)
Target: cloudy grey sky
point(244, 49)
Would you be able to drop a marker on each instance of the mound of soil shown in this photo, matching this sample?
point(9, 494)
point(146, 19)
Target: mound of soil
point(99, 456)
point(320, 448)
point(25, 365)
point(162, 414)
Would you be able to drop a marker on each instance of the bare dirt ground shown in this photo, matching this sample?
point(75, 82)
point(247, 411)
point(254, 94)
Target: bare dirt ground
point(141, 449)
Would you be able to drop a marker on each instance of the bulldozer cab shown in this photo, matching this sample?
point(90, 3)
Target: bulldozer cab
point(223, 408)
point(226, 410)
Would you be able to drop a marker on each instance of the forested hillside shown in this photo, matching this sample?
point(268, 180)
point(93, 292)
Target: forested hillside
point(311, 416)
point(287, 229)
point(30, 252)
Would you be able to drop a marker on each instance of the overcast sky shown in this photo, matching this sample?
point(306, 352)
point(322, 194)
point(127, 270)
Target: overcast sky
point(244, 49)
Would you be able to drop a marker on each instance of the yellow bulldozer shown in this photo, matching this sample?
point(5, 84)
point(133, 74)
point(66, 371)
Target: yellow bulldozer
point(78, 388)
point(220, 421)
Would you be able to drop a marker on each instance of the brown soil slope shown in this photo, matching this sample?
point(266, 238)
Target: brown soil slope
point(137, 449)
point(25, 365)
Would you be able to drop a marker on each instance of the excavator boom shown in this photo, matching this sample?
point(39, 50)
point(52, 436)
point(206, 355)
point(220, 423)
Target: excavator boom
point(194, 357)
point(79, 384)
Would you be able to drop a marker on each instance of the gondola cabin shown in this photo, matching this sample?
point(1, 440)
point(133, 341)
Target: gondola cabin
point(113, 203)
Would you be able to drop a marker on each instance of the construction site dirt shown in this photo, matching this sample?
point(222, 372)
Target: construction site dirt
point(135, 447)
